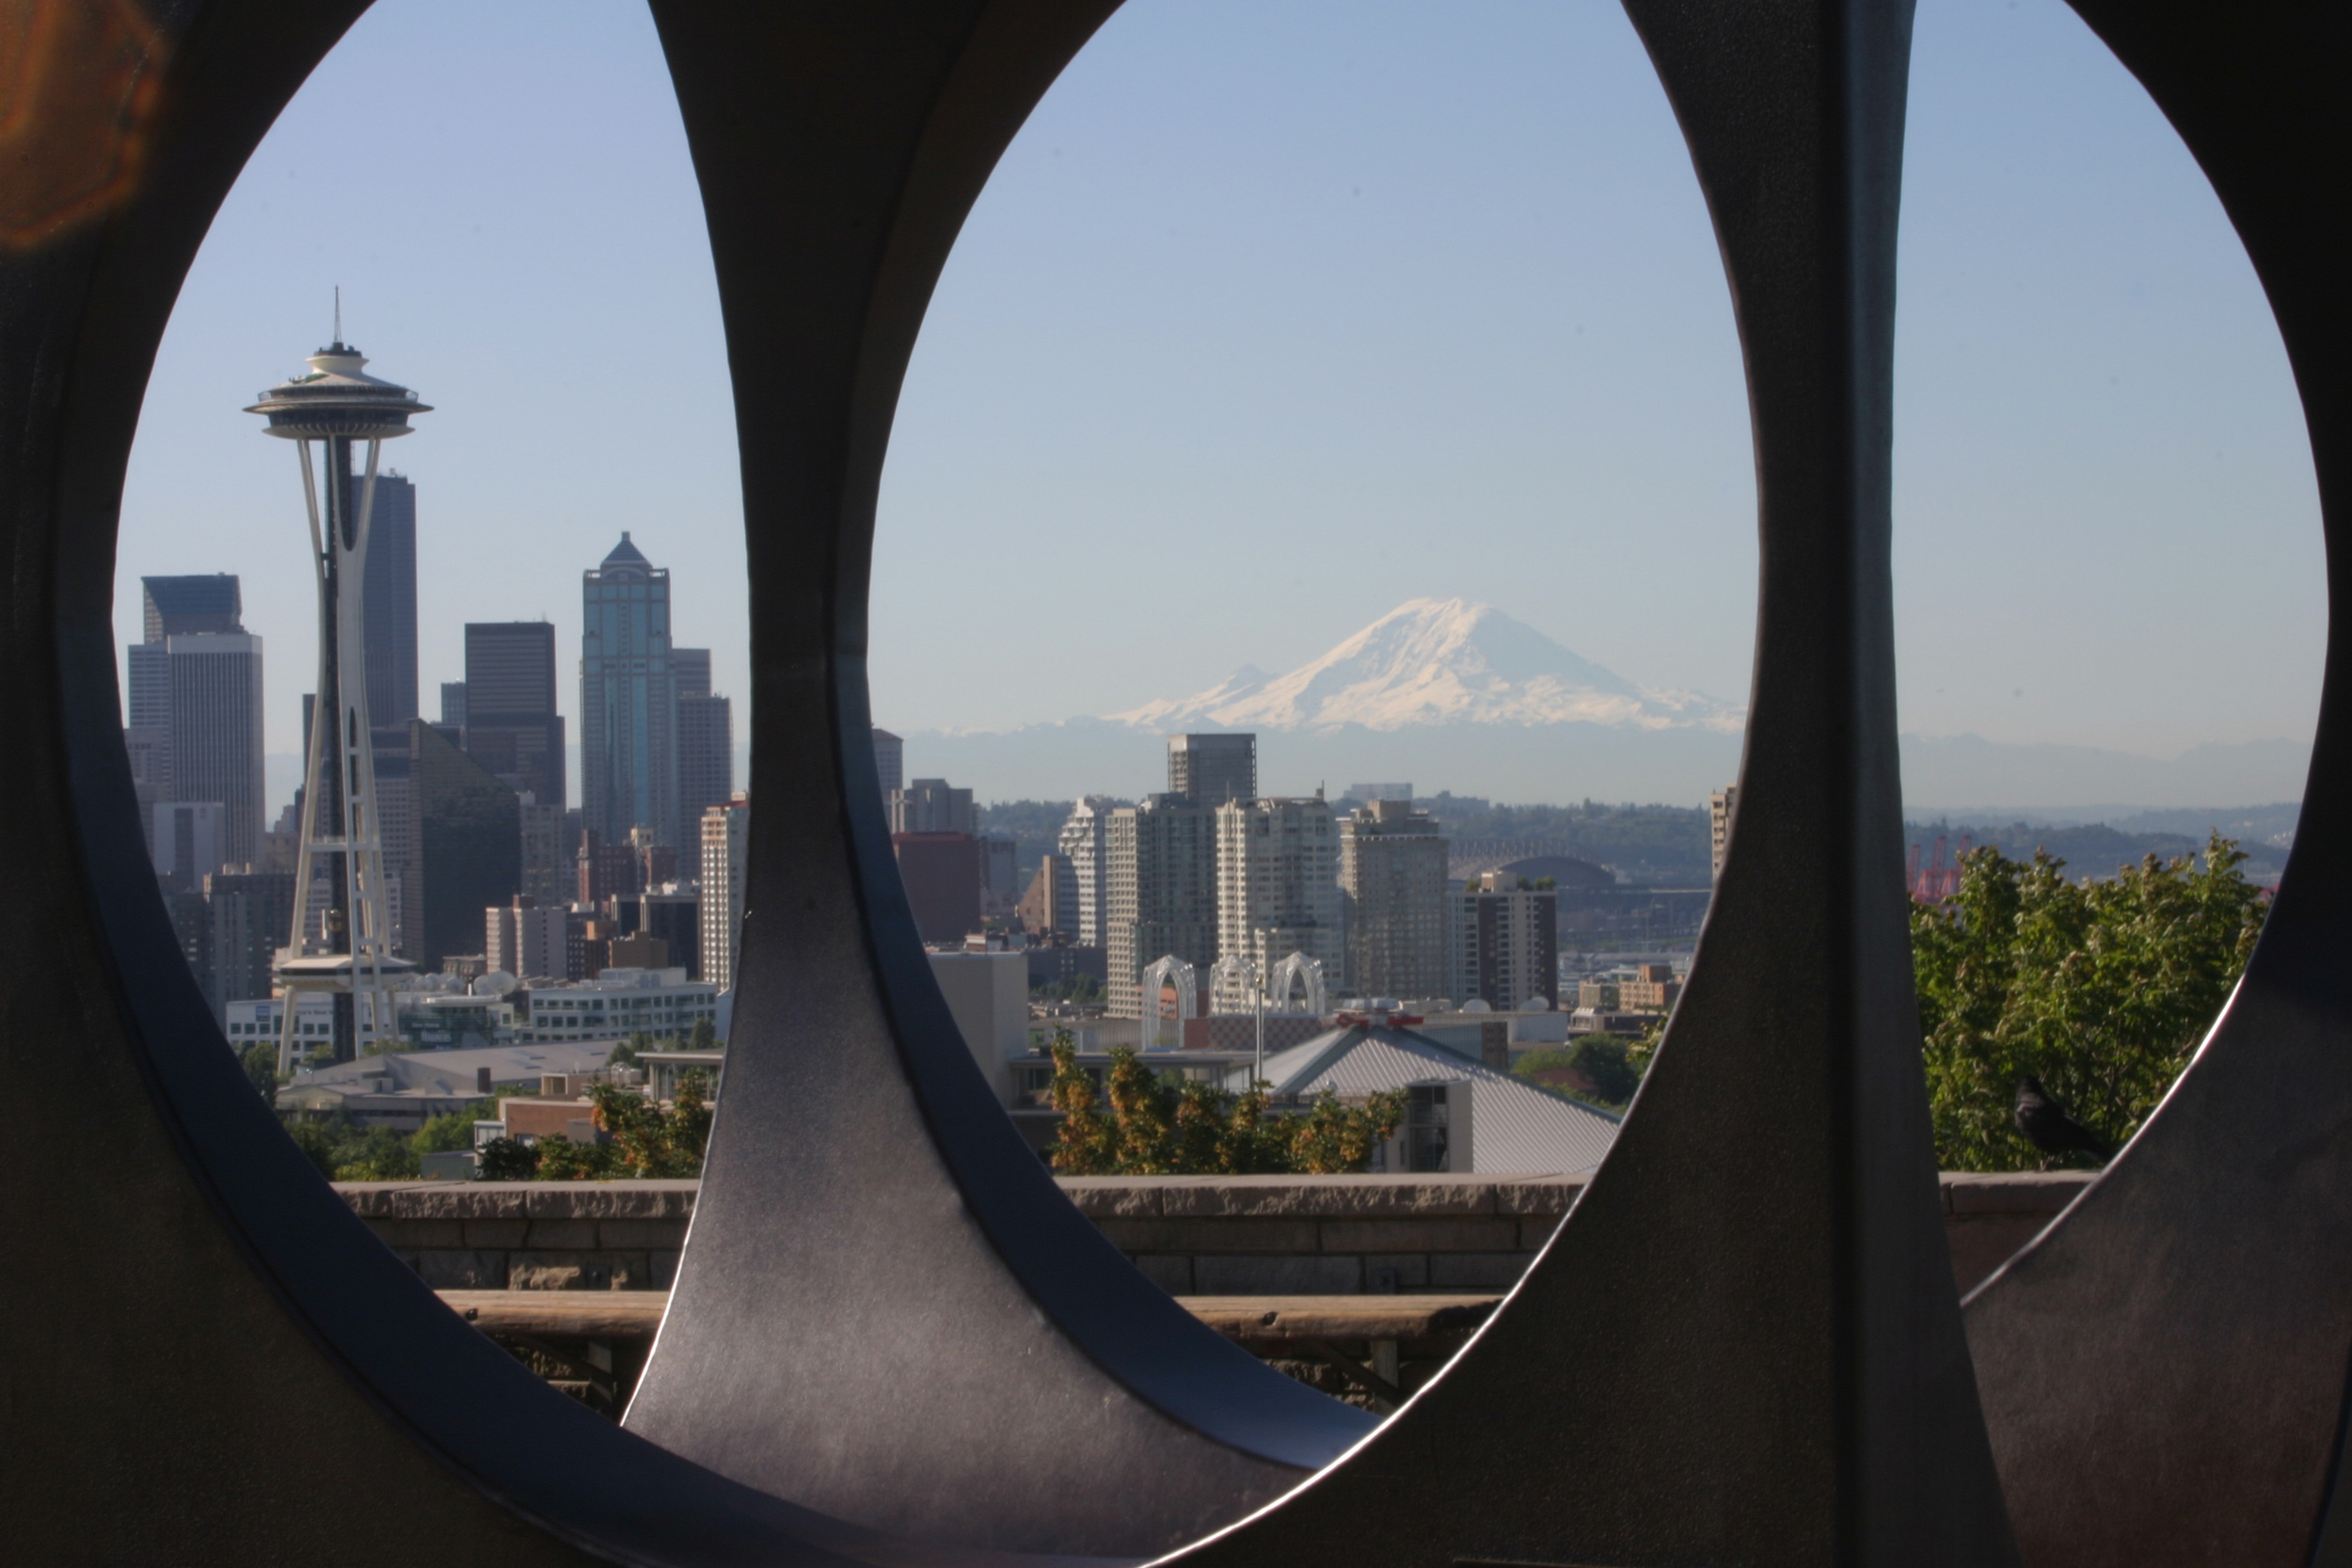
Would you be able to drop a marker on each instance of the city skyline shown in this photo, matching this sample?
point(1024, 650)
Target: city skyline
point(1481, 352)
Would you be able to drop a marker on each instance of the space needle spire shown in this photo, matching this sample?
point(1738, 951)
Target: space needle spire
point(345, 952)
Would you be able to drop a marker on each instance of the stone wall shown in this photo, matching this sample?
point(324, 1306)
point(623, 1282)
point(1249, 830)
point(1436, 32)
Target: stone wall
point(1194, 1235)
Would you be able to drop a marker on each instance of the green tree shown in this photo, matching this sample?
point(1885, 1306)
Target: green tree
point(452, 1130)
point(561, 1160)
point(508, 1160)
point(626, 1054)
point(704, 1037)
point(654, 1140)
point(1603, 1061)
point(260, 1061)
point(2100, 988)
point(1140, 1124)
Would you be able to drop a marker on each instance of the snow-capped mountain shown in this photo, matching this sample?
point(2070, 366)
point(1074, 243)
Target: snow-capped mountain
point(1437, 661)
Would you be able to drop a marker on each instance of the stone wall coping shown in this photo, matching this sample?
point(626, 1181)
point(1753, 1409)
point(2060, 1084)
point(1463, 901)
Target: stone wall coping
point(506, 1200)
point(1428, 1196)
point(1295, 1196)
point(2013, 1192)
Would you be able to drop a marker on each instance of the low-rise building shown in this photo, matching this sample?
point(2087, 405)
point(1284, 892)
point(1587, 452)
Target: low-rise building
point(405, 1089)
point(618, 1003)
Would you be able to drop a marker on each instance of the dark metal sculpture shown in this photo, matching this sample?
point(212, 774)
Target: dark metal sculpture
point(2164, 1370)
point(1742, 1347)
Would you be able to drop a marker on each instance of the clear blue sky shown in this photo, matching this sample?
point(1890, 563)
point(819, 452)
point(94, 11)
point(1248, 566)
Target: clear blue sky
point(1276, 315)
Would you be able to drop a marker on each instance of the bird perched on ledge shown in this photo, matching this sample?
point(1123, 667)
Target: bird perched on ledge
point(2048, 1127)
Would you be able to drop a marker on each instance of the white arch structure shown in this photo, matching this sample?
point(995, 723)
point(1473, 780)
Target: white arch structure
point(1166, 970)
point(1300, 968)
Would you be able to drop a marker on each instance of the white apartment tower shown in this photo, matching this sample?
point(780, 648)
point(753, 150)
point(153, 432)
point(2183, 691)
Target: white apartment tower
point(726, 837)
point(1393, 893)
point(1277, 890)
point(1085, 840)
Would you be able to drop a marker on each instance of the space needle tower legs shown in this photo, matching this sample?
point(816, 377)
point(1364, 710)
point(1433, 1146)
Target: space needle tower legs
point(347, 953)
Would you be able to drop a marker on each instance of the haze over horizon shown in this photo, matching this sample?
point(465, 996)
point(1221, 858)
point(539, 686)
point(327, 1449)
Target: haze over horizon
point(1243, 347)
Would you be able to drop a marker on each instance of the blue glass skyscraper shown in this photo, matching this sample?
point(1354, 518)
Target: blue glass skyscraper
point(627, 707)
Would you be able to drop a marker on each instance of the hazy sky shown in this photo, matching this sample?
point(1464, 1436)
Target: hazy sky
point(1274, 316)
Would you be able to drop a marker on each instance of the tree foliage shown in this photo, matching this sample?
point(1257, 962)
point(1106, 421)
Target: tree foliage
point(2100, 988)
point(1604, 1062)
point(651, 1139)
point(1140, 1124)
point(260, 1061)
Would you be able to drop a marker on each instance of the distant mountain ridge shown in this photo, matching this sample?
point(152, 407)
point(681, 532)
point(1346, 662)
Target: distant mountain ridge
point(1435, 662)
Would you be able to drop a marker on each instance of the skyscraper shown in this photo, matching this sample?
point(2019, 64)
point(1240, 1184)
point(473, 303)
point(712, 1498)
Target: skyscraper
point(1162, 887)
point(628, 745)
point(726, 837)
point(706, 736)
point(182, 606)
point(215, 733)
point(392, 603)
point(1211, 769)
point(1085, 839)
point(933, 806)
point(511, 725)
point(1278, 888)
point(890, 761)
point(172, 606)
point(251, 912)
point(469, 845)
point(1392, 894)
point(547, 870)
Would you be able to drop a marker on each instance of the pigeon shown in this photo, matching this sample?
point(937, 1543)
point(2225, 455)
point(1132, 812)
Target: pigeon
point(2048, 1127)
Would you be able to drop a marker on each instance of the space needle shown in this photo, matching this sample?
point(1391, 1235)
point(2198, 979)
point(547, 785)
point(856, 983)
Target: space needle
point(347, 953)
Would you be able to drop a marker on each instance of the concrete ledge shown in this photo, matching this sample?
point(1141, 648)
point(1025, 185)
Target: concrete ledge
point(1211, 1235)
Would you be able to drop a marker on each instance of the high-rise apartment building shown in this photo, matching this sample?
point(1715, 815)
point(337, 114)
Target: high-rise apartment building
point(1278, 888)
point(1049, 909)
point(890, 761)
point(389, 603)
point(1161, 885)
point(1393, 893)
point(1504, 944)
point(1085, 841)
point(511, 725)
point(706, 736)
point(216, 731)
point(933, 806)
point(1720, 807)
point(1211, 769)
point(527, 940)
point(727, 838)
point(628, 704)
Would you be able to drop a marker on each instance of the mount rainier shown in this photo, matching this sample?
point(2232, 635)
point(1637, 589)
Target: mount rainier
point(1435, 662)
